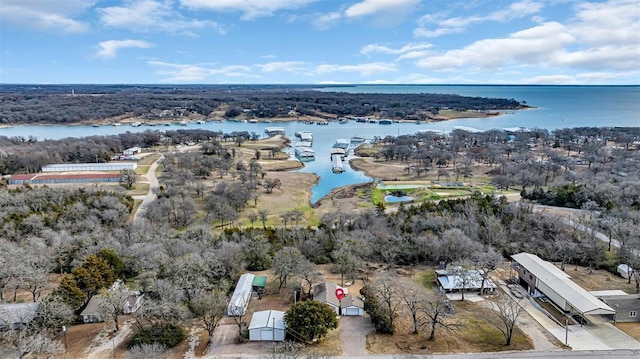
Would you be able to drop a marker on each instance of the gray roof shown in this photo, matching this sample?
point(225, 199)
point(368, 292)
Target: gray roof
point(326, 293)
point(267, 319)
point(560, 283)
point(623, 302)
point(17, 313)
point(93, 306)
point(352, 301)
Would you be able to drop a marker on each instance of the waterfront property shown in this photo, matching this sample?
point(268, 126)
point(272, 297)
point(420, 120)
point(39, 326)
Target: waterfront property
point(61, 178)
point(86, 167)
point(267, 325)
point(540, 277)
point(343, 144)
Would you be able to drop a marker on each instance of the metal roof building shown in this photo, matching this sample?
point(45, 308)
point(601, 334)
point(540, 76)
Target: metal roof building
point(544, 277)
point(84, 167)
point(267, 325)
point(241, 296)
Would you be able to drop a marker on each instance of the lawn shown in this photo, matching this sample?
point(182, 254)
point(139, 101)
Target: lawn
point(632, 329)
point(427, 278)
point(476, 334)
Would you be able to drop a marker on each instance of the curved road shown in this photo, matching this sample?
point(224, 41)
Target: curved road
point(151, 195)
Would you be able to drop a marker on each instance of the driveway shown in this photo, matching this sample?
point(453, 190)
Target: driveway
point(151, 195)
point(353, 334)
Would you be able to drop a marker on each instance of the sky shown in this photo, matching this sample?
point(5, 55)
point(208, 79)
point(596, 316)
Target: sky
point(320, 42)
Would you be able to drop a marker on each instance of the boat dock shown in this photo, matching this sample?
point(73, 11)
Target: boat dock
point(336, 164)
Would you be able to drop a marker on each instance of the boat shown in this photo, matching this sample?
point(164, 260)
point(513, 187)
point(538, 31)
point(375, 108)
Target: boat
point(323, 123)
point(96, 125)
point(357, 139)
point(200, 122)
point(304, 153)
point(115, 124)
point(184, 123)
point(343, 121)
point(253, 120)
point(136, 124)
point(385, 122)
point(373, 121)
point(300, 133)
point(336, 164)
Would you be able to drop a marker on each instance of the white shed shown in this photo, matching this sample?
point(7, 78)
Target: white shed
point(241, 296)
point(625, 271)
point(267, 325)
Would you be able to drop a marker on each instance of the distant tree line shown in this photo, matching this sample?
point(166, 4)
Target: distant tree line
point(57, 105)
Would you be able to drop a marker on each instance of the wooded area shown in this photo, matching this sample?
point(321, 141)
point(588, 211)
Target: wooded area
point(57, 104)
point(197, 240)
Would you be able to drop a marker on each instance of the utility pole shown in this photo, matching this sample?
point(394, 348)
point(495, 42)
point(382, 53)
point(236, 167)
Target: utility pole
point(566, 332)
point(64, 333)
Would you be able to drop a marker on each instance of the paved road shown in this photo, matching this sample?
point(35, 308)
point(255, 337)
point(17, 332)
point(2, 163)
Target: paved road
point(580, 354)
point(150, 196)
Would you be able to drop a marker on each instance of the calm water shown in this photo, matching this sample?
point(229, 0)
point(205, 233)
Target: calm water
point(556, 107)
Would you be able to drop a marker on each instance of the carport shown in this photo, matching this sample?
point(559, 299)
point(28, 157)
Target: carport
point(558, 287)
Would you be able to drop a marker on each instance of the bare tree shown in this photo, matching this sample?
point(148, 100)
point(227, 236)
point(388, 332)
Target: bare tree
point(285, 263)
point(413, 295)
point(486, 262)
point(309, 275)
point(240, 316)
point(263, 214)
point(388, 290)
point(111, 305)
point(439, 313)
point(508, 313)
point(209, 309)
point(463, 278)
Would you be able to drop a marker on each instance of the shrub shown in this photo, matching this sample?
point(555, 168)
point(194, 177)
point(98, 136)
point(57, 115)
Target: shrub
point(167, 335)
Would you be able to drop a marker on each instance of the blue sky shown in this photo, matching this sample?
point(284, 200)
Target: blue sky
point(319, 42)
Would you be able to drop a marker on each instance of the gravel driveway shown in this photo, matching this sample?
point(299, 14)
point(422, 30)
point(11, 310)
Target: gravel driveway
point(353, 334)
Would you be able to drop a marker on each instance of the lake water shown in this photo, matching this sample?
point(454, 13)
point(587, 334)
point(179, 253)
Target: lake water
point(555, 107)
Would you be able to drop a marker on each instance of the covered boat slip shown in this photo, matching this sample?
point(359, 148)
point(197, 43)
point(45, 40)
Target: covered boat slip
point(305, 153)
point(558, 287)
point(336, 164)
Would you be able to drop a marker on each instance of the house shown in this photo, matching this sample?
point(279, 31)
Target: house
point(627, 306)
point(349, 306)
point(130, 304)
point(241, 296)
point(625, 271)
point(15, 316)
point(267, 325)
point(352, 305)
point(326, 293)
point(132, 151)
point(540, 277)
point(459, 279)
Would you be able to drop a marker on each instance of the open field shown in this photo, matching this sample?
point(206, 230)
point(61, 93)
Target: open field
point(632, 329)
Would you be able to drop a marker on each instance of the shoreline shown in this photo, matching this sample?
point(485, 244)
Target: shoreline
point(173, 122)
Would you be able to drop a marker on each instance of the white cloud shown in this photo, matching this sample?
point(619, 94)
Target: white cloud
point(602, 38)
point(324, 21)
point(151, 15)
point(46, 14)
point(445, 26)
point(536, 45)
point(250, 8)
point(366, 69)
point(374, 7)
point(110, 48)
point(284, 66)
point(190, 72)
point(411, 47)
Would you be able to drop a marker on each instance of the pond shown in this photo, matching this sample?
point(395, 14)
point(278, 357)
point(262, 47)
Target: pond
point(397, 199)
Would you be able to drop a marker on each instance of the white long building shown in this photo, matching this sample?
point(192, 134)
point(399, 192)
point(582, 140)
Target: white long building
point(241, 296)
point(90, 167)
